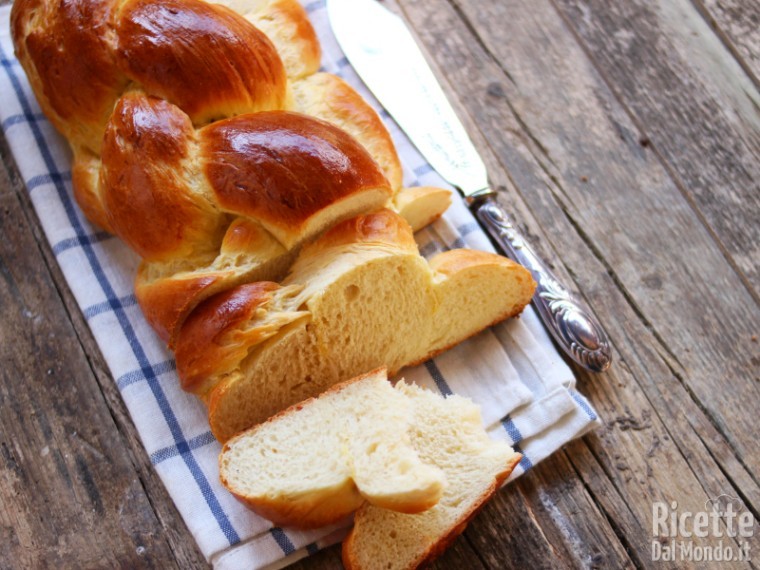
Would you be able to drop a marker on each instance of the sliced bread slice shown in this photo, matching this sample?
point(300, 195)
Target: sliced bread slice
point(358, 298)
point(448, 434)
point(319, 460)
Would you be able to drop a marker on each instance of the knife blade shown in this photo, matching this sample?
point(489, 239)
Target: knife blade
point(386, 56)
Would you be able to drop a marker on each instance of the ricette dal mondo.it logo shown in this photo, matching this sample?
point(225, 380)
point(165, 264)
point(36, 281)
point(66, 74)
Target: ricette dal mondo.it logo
point(724, 518)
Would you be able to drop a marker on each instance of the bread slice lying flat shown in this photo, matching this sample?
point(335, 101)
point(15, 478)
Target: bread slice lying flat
point(318, 461)
point(358, 298)
point(448, 434)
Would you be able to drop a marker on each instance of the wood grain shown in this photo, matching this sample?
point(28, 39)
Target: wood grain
point(636, 248)
point(625, 138)
point(737, 23)
point(690, 103)
point(97, 501)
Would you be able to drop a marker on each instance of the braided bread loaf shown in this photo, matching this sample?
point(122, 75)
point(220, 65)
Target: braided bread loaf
point(147, 92)
point(358, 298)
point(214, 148)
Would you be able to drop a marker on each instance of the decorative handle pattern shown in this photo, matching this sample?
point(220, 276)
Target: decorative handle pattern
point(568, 319)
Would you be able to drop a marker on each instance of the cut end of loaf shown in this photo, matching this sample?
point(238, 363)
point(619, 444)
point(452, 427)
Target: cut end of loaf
point(450, 435)
point(214, 339)
point(420, 206)
point(319, 460)
point(373, 301)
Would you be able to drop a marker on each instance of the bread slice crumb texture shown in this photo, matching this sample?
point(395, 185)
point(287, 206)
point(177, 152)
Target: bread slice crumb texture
point(449, 434)
point(318, 461)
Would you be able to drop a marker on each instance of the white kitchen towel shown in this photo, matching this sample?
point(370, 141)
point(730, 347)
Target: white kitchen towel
point(526, 391)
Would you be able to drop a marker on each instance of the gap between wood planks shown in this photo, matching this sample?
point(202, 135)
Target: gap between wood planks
point(583, 235)
point(599, 256)
point(674, 176)
point(721, 19)
point(669, 69)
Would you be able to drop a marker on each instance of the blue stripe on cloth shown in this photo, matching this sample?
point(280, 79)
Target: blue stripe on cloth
point(512, 430)
point(342, 63)
point(200, 478)
point(429, 249)
point(282, 540)
point(584, 405)
point(314, 6)
point(438, 378)
point(422, 170)
point(68, 243)
point(457, 243)
point(525, 463)
point(21, 118)
point(110, 305)
point(8, 63)
point(174, 450)
point(52, 177)
point(468, 228)
point(139, 375)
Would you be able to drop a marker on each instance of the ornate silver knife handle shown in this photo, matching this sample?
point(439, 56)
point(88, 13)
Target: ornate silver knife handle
point(568, 319)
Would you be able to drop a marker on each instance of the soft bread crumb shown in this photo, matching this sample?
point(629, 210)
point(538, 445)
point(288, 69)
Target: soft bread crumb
point(318, 461)
point(448, 434)
point(371, 301)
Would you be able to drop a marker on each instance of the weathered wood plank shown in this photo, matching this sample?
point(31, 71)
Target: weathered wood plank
point(459, 555)
point(622, 225)
point(546, 519)
point(172, 529)
point(70, 496)
point(737, 22)
point(690, 103)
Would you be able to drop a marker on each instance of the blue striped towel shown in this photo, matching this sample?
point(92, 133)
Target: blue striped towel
point(525, 389)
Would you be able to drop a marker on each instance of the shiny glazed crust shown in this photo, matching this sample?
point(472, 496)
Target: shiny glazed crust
point(184, 118)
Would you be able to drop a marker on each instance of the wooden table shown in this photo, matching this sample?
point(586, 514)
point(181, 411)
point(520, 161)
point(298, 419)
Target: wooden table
point(626, 138)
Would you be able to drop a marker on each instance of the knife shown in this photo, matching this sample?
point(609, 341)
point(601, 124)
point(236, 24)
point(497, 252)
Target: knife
point(384, 53)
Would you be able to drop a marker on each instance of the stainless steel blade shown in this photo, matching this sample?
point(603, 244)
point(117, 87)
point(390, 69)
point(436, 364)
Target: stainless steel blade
point(379, 46)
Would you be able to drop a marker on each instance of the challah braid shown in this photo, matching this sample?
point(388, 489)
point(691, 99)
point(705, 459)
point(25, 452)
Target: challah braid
point(154, 77)
point(221, 162)
point(358, 297)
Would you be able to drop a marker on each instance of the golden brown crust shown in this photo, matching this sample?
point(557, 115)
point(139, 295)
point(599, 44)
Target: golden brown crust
point(330, 98)
point(381, 227)
point(296, 34)
point(205, 58)
point(85, 174)
point(350, 558)
point(64, 49)
point(137, 170)
point(455, 260)
point(305, 515)
point(283, 168)
point(144, 191)
point(210, 341)
point(167, 302)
